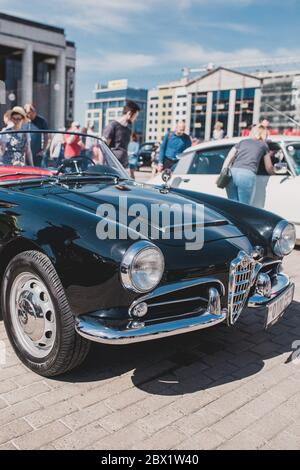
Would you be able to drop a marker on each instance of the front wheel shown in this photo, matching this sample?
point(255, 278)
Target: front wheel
point(37, 316)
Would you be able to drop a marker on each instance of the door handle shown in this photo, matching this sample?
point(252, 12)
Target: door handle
point(186, 180)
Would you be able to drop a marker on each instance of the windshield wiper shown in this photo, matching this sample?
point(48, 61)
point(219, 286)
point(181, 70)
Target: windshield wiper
point(90, 174)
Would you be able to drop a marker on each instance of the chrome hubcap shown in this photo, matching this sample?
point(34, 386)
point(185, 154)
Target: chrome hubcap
point(33, 316)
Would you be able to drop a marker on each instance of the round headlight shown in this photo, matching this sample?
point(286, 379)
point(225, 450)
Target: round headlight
point(284, 238)
point(142, 267)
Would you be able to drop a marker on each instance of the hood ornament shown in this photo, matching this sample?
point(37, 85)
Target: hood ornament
point(166, 176)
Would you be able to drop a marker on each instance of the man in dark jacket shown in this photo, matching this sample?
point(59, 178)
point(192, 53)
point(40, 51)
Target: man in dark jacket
point(38, 142)
point(173, 144)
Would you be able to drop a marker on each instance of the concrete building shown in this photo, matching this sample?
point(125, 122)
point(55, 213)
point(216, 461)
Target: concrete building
point(167, 104)
point(228, 96)
point(108, 105)
point(281, 90)
point(37, 64)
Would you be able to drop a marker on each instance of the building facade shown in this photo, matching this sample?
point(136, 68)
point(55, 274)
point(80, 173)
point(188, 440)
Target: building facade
point(230, 97)
point(37, 65)
point(108, 106)
point(238, 100)
point(167, 105)
point(281, 90)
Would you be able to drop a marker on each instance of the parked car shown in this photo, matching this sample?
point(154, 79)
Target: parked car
point(64, 284)
point(199, 166)
point(145, 153)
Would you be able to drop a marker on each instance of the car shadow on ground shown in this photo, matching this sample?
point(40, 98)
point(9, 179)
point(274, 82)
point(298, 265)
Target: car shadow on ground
point(202, 360)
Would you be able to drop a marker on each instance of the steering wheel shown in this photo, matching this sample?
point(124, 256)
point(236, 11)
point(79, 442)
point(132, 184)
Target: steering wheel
point(74, 162)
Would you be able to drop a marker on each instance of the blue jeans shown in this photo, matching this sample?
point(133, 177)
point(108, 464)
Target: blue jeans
point(242, 186)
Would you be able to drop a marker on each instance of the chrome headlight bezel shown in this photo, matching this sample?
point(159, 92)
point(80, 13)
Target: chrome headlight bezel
point(278, 238)
point(129, 260)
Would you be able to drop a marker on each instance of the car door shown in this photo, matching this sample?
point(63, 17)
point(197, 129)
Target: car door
point(282, 192)
point(204, 169)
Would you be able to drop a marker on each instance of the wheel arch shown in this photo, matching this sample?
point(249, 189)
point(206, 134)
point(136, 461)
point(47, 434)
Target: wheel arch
point(14, 248)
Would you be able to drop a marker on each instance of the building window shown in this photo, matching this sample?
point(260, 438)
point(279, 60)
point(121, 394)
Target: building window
point(170, 105)
point(167, 97)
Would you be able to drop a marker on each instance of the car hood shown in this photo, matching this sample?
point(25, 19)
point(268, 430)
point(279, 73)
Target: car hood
point(91, 197)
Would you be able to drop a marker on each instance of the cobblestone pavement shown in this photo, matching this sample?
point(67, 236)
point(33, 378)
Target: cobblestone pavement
point(220, 388)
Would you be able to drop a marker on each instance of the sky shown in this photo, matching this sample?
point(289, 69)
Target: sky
point(150, 42)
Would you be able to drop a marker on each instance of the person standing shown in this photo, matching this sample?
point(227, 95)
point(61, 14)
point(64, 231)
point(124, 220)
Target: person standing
point(73, 142)
point(133, 150)
point(174, 143)
point(244, 160)
point(117, 134)
point(91, 142)
point(17, 150)
point(218, 133)
point(38, 141)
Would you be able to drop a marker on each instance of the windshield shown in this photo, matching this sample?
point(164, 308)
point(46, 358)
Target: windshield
point(293, 150)
point(39, 154)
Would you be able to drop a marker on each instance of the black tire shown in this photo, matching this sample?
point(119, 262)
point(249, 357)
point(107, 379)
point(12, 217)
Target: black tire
point(69, 349)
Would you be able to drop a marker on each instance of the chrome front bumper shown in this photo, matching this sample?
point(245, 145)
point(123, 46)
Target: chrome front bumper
point(100, 330)
point(279, 284)
point(96, 329)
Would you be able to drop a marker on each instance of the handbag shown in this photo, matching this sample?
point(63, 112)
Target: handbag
point(224, 178)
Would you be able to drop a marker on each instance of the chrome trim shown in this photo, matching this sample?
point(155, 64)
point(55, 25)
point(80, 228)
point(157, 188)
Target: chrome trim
point(170, 302)
point(279, 284)
point(95, 329)
point(128, 258)
point(172, 288)
point(277, 233)
point(214, 302)
point(243, 272)
point(264, 285)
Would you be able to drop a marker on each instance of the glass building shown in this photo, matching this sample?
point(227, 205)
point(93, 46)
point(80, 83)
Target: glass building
point(225, 96)
point(108, 106)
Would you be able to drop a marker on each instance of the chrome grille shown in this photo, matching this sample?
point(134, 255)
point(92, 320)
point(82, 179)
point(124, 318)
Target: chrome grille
point(241, 274)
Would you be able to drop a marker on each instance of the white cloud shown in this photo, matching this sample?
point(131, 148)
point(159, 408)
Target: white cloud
point(174, 54)
point(115, 62)
point(90, 15)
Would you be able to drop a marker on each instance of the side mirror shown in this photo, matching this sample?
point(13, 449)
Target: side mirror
point(281, 168)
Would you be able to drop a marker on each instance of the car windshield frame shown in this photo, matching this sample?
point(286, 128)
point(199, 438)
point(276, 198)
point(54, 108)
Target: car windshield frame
point(115, 166)
point(296, 167)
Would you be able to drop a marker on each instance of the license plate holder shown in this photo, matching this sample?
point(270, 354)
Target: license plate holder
point(277, 307)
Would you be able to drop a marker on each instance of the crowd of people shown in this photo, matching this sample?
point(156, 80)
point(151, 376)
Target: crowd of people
point(21, 144)
point(25, 140)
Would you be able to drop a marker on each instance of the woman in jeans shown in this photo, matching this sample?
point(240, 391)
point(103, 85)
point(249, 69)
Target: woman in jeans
point(244, 160)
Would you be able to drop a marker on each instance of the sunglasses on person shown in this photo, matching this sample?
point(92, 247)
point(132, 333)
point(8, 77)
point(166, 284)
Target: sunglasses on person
point(17, 119)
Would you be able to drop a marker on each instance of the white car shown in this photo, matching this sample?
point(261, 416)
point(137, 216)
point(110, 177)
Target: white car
point(199, 167)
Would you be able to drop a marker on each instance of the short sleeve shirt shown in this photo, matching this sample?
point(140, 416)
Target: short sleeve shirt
point(249, 154)
point(119, 137)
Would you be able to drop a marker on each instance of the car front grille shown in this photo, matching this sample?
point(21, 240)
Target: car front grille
point(240, 282)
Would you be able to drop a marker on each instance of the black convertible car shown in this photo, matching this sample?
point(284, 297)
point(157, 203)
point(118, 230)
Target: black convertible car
point(75, 268)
